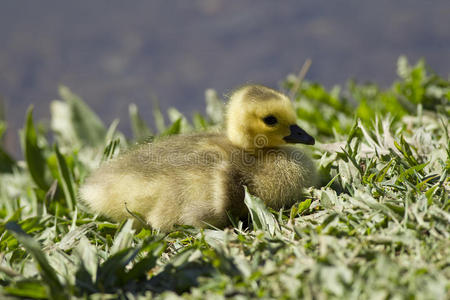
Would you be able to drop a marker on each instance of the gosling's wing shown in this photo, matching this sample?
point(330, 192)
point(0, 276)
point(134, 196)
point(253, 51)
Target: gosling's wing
point(177, 153)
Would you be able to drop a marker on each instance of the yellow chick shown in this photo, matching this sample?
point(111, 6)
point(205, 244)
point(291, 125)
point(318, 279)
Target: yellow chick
point(197, 179)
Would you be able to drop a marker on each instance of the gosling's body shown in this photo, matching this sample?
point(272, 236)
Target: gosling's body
point(198, 179)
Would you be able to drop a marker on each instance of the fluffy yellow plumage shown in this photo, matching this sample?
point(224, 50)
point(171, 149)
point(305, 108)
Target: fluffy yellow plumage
point(196, 179)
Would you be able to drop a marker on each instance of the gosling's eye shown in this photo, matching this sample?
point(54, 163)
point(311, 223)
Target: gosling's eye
point(270, 120)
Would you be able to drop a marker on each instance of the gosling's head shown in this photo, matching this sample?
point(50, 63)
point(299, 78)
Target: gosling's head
point(259, 117)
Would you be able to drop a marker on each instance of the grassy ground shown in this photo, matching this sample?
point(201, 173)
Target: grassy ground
point(377, 228)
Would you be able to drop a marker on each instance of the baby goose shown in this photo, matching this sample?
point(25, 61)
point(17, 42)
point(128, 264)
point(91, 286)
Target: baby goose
point(197, 179)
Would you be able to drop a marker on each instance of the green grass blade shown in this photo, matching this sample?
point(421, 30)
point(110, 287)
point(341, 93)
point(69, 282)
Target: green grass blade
point(89, 129)
point(140, 129)
point(175, 128)
point(7, 163)
point(112, 270)
point(159, 118)
point(262, 218)
point(215, 108)
point(28, 288)
point(48, 274)
point(111, 149)
point(199, 122)
point(34, 155)
point(66, 179)
point(303, 206)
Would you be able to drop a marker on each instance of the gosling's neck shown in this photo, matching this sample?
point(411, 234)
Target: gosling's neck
point(246, 141)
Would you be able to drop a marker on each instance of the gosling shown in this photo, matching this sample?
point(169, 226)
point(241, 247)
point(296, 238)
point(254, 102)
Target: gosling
point(197, 179)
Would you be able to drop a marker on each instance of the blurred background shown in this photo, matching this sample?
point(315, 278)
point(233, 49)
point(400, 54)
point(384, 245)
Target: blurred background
point(113, 53)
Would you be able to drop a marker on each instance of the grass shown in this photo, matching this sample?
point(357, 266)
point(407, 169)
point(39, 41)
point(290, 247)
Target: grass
point(377, 228)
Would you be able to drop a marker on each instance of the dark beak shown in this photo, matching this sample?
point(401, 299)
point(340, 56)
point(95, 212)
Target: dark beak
point(298, 135)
